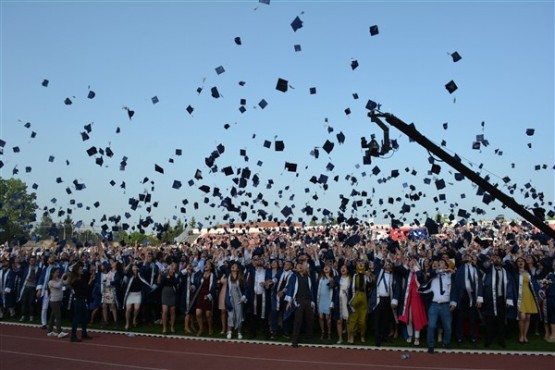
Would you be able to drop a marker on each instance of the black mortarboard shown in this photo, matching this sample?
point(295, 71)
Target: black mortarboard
point(91, 94)
point(440, 184)
point(286, 211)
point(262, 104)
point(328, 146)
point(92, 151)
point(456, 57)
point(445, 125)
point(530, 131)
point(282, 85)
point(16, 149)
point(205, 188)
point(297, 47)
point(312, 90)
point(354, 64)
point(355, 96)
point(237, 40)
point(451, 86)
point(214, 92)
point(291, 167)
point(68, 101)
point(220, 70)
point(45, 83)
point(158, 168)
point(130, 113)
point(198, 174)
point(348, 111)
point(176, 184)
point(228, 171)
point(436, 169)
point(27, 125)
point(340, 137)
point(374, 30)
point(154, 99)
point(190, 109)
point(296, 24)
point(476, 145)
point(279, 145)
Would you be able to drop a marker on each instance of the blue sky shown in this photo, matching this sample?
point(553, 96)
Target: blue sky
point(129, 51)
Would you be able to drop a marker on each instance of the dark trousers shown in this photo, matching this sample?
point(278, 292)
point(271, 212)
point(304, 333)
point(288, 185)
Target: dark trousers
point(383, 317)
point(28, 301)
point(256, 320)
point(495, 325)
point(304, 315)
point(274, 319)
point(464, 312)
point(80, 316)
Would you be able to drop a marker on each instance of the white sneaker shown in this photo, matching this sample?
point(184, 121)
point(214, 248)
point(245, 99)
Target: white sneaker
point(61, 334)
point(52, 334)
point(228, 335)
point(31, 318)
point(239, 336)
point(22, 318)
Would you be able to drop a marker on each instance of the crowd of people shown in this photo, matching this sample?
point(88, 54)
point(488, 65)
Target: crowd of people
point(466, 283)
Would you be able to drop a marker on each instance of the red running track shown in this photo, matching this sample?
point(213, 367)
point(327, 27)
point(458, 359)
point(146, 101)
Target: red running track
point(24, 347)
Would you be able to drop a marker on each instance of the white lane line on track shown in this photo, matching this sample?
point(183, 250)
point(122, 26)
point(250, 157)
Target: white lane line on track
point(107, 364)
point(249, 358)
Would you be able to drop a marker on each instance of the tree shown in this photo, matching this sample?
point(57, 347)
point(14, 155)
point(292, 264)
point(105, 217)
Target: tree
point(313, 222)
point(66, 228)
point(17, 210)
point(43, 228)
point(193, 223)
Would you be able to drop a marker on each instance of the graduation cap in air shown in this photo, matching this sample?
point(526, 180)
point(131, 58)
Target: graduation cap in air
point(220, 70)
point(312, 90)
point(157, 168)
point(262, 104)
point(130, 113)
point(45, 83)
point(328, 146)
point(340, 137)
point(237, 40)
point(354, 64)
point(296, 24)
point(374, 30)
point(456, 57)
point(92, 151)
point(91, 94)
point(279, 145)
point(451, 86)
point(154, 100)
point(215, 93)
point(291, 167)
point(530, 132)
point(282, 85)
point(190, 109)
point(68, 101)
point(176, 184)
point(297, 48)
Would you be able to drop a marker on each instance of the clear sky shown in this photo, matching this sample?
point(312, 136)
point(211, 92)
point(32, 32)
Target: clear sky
point(128, 52)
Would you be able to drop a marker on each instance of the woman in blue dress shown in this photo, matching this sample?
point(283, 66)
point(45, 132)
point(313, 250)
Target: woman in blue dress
point(324, 299)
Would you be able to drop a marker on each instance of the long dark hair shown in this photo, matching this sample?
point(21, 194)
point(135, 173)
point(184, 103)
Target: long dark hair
point(75, 273)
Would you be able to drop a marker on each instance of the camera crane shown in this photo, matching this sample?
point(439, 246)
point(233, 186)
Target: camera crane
point(373, 150)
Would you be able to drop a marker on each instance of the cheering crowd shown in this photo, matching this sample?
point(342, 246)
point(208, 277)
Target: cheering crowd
point(463, 283)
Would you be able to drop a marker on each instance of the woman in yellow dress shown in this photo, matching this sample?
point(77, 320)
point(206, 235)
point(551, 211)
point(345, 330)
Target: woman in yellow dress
point(527, 300)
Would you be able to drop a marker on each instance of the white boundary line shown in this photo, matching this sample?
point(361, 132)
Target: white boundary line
point(286, 344)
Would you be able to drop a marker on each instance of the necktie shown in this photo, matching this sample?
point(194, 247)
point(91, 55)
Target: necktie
point(500, 283)
point(441, 291)
point(31, 279)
